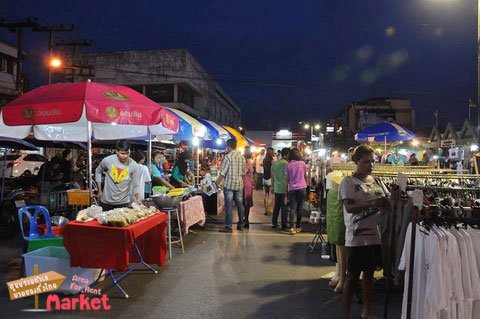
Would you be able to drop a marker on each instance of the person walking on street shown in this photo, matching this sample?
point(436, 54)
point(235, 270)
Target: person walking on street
point(231, 174)
point(267, 178)
point(278, 181)
point(122, 174)
point(296, 185)
point(248, 187)
point(259, 170)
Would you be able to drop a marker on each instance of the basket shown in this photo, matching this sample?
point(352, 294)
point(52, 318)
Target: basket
point(57, 259)
point(78, 197)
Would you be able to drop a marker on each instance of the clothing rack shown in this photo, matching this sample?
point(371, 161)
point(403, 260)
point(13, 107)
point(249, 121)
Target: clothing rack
point(440, 219)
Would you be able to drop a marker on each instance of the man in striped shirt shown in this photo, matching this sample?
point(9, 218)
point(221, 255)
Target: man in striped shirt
point(231, 174)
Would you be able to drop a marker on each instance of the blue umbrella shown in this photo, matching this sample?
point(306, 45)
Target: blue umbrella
point(215, 136)
point(385, 133)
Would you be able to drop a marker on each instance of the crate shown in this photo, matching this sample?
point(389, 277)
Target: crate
point(57, 259)
point(78, 197)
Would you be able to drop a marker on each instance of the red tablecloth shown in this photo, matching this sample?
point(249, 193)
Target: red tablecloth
point(192, 212)
point(92, 245)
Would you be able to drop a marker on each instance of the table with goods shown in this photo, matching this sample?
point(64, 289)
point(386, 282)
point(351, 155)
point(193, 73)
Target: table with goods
point(189, 205)
point(107, 240)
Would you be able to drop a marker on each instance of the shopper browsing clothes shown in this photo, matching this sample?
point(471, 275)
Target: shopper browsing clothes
point(122, 174)
point(231, 174)
point(362, 200)
point(267, 178)
point(278, 181)
point(296, 186)
point(248, 187)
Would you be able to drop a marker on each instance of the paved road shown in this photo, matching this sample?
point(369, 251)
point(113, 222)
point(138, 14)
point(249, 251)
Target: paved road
point(257, 273)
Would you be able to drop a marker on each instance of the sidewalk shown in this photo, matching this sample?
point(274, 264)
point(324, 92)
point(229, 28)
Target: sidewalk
point(256, 273)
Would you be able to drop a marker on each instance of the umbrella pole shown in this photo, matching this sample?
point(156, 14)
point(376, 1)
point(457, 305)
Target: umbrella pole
point(149, 152)
point(4, 171)
point(385, 144)
point(89, 157)
point(198, 164)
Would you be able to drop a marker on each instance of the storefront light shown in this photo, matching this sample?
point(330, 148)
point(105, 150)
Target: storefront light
point(343, 155)
point(435, 157)
point(415, 143)
point(474, 148)
point(195, 141)
point(322, 152)
point(219, 141)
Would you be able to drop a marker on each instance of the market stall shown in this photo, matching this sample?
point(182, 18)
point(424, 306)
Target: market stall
point(192, 212)
point(384, 133)
point(93, 245)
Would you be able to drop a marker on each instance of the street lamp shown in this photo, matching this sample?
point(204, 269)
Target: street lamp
point(55, 63)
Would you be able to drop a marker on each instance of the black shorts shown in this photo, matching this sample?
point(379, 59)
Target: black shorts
point(364, 258)
point(107, 207)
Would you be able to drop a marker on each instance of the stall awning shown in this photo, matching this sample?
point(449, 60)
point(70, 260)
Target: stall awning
point(385, 132)
point(188, 127)
point(241, 141)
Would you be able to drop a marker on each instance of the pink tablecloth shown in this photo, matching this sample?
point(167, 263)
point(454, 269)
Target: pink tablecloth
point(192, 212)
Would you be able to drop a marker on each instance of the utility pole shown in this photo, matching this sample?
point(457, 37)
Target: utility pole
point(19, 27)
point(75, 46)
point(51, 30)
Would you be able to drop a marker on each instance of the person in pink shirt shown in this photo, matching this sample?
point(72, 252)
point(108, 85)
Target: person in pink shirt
point(296, 188)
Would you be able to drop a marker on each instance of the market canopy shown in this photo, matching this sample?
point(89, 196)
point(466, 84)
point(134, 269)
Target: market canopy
point(62, 111)
point(385, 133)
point(188, 127)
point(241, 141)
point(252, 142)
point(216, 136)
point(15, 143)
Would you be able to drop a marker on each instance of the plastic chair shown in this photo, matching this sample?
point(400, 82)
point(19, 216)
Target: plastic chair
point(33, 231)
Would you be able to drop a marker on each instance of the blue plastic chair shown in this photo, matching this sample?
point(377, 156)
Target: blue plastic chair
point(33, 231)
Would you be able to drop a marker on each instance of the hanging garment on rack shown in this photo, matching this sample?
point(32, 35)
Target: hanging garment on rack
point(419, 278)
point(475, 234)
point(335, 221)
point(446, 278)
point(402, 220)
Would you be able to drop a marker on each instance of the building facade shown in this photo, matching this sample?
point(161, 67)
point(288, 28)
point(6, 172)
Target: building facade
point(358, 115)
point(172, 77)
point(8, 72)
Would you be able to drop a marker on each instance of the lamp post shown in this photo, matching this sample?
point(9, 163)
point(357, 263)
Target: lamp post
point(311, 127)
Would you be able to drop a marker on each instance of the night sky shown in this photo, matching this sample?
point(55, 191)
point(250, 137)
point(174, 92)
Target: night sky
point(288, 61)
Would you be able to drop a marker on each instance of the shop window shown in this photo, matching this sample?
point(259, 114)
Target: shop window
point(186, 96)
point(160, 92)
point(10, 64)
point(138, 88)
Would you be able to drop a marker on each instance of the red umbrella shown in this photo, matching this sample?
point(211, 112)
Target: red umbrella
point(72, 111)
point(48, 107)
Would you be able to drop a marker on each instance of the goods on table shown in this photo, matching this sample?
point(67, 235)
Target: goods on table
point(176, 192)
point(122, 217)
point(159, 190)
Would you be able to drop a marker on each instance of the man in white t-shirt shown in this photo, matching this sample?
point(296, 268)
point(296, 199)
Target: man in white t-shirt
point(259, 170)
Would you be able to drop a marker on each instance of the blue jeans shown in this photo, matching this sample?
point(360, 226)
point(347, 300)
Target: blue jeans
point(230, 196)
point(280, 203)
